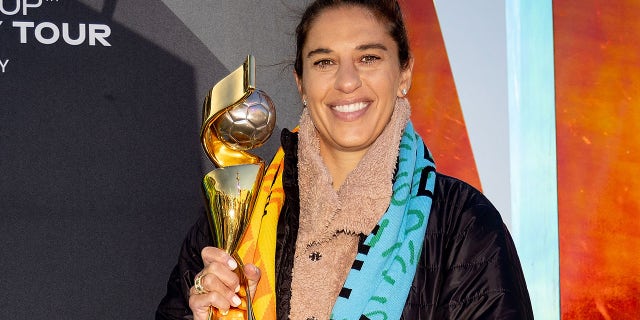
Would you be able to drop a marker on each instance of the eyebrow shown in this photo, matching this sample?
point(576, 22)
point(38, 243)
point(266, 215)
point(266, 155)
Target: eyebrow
point(318, 51)
point(362, 47)
point(368, 46)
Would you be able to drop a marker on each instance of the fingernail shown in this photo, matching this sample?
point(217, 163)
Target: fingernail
point(237, 289)
point(236, 301)
point(232, 264)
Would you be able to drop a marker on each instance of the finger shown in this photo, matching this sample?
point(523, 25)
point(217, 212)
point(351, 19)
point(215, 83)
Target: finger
point(215, 298)
point(213, 254)
point(200, 304)
point(252, 272)
point(221, 280)
point(219, 263)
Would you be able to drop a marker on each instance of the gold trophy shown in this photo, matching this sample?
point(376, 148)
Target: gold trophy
point(237, 117)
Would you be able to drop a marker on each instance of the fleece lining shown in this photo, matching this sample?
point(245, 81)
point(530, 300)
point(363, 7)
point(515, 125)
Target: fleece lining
point(331, 222)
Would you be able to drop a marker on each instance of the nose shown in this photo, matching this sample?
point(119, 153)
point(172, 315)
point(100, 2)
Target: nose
point(347, 78)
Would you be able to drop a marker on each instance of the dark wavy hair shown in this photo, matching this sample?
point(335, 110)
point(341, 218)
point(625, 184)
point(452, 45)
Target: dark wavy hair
point(385, 10)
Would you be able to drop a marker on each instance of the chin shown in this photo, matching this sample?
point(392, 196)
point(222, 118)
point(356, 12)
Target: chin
point(354, 144)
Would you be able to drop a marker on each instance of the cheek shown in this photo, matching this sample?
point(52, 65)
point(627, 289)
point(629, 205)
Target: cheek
point(386, 82)
point(316, 86)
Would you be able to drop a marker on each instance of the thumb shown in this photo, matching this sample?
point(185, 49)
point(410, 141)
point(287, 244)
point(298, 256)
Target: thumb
point(253, 275)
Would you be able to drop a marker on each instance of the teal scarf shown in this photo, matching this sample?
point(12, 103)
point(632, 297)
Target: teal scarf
point(378, 283)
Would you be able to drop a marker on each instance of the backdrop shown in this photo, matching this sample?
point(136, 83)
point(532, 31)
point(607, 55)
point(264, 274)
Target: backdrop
point(598, 114)
point(100, 160)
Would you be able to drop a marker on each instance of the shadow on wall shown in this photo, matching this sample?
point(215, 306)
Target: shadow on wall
point(100, 164)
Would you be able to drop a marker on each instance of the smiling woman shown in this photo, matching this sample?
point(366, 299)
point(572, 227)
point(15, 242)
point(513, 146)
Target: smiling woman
point(351, 82)
point(354, 221)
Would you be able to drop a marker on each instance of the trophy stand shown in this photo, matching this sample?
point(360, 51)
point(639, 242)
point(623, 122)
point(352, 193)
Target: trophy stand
point(236, 117)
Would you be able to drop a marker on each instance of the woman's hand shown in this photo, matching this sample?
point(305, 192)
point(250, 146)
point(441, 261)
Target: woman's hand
point(218, 285)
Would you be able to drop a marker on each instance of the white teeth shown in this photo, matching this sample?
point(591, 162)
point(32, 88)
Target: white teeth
point(351, 107)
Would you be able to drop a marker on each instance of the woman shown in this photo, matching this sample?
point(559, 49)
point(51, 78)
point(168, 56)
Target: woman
point(367, 228)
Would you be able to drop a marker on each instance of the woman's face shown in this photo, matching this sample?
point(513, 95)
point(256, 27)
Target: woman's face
point(351, 78)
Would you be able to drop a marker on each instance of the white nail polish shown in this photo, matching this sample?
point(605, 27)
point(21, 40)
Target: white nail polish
point(232, 264)
point(236, 301)
point(237, 289)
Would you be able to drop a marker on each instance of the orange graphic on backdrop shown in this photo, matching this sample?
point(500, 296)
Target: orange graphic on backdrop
point(436, 111)
point(597, 52)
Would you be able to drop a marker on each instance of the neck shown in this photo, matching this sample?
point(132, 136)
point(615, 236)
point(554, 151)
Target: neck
point(340, 163)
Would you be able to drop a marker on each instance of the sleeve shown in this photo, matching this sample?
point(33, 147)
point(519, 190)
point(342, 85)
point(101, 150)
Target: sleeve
point(483, 278)
point(175, 304)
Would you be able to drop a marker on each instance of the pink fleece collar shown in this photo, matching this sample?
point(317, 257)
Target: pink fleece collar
point(364, 196)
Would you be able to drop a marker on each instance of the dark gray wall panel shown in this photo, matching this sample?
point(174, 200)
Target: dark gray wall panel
point(100, 161)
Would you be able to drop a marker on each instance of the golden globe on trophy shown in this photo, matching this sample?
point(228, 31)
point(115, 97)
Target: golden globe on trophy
point(236, 117)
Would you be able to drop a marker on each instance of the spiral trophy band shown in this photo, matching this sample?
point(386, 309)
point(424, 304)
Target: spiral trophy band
point(236, 117)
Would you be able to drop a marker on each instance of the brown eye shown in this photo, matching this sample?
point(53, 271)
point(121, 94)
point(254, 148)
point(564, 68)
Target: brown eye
point(322, 64)
point(369, 59)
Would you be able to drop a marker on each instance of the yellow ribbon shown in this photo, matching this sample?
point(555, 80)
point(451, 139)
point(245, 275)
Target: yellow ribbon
point(258, 245)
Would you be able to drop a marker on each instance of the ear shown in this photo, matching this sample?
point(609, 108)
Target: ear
point(405, 78)
point(299, 84)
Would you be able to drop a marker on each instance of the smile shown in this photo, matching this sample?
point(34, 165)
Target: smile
point(353, 107)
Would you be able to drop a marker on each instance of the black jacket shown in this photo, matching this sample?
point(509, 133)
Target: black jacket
point(469, 268)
